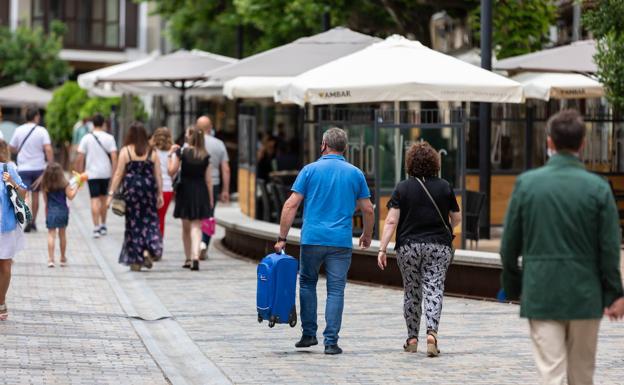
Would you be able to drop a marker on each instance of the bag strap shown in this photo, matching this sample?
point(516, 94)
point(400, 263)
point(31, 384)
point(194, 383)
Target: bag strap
point(436, 207)
point(26, 138)
point(102, 146)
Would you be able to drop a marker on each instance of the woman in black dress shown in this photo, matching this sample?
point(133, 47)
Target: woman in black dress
point(194, 197)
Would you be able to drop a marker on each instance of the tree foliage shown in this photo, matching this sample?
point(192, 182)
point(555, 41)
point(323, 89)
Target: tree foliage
point(63, 110)
point(518, 27)
point(212, 25)
point(606, 22)
point(32, 56)
point(70, 103)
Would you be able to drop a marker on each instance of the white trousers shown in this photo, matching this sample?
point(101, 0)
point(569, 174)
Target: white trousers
point(565, 349)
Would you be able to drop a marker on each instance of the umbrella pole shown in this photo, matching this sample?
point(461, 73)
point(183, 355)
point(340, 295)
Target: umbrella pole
point(182, 108)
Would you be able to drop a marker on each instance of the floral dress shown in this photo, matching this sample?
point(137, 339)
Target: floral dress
point(140, 192)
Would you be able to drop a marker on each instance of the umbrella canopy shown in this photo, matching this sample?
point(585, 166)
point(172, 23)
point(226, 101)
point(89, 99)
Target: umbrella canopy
point(398, 69)
point(180, 66)
point(575, 57)
point(22, 94)
point(547, 85)
point(91, 80)
point(266, 71)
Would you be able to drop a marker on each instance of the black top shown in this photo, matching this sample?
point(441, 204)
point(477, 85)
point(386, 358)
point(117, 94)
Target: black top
point(192, 167)
point(419, 221)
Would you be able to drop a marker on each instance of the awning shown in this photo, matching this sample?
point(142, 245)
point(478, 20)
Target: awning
point(24, 94)
point(551, 85)
point(398, 69)
point(262, 73)
point(575, 57)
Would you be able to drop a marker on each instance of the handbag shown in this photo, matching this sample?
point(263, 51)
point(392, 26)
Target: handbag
point(177, 178)
point(208, 226)
point(118, 204)
point(23, 216)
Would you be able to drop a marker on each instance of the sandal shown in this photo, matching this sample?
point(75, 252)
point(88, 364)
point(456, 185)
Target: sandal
point(50, 264)
point(4, 312)
point(410, 348)
point(432, 348)
point(147, 259)
point(135, 267)
point(63, 262)
point(187, 264)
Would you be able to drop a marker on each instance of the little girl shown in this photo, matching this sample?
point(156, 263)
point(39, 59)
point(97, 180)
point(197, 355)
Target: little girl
point(56, 190)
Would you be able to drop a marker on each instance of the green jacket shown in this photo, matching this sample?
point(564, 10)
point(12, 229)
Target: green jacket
point(564, 223)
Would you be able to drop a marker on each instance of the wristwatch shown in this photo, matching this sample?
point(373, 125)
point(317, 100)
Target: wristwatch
point(110, 193)
point(280, 239)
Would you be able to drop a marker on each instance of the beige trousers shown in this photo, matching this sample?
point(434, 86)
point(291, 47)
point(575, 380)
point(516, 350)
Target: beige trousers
point(565, 349)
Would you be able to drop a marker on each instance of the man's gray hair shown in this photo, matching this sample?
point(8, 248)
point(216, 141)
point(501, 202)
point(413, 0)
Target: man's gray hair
point(336, 139)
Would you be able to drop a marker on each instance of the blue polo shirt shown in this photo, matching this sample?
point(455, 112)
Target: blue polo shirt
point(331, 187)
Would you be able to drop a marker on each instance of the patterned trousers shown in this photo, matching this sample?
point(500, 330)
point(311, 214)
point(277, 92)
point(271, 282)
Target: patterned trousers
point(423, 267)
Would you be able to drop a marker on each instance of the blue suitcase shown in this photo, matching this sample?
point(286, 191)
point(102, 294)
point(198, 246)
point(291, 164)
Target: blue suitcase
point(277, 283)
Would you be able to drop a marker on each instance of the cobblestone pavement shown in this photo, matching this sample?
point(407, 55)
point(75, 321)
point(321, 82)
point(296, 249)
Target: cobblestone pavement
point(64, 330)
point(65, 324)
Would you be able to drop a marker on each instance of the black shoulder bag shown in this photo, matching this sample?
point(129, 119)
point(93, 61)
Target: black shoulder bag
point(102, 147)
point(24, 142)
point(450, 231)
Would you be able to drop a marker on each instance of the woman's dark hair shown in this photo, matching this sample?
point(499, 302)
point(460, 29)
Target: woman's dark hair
point(53, 178)
point(422, 160)
point(137, 136)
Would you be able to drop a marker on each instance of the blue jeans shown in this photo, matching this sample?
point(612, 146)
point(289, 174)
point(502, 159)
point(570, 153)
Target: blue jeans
point(337, 261)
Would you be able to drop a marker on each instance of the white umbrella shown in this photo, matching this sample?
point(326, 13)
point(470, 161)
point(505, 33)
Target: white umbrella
point(23, 94)
point(575, 57)
point(547, 85)
point(398, 69)
point(259, 75)
point(90, 81)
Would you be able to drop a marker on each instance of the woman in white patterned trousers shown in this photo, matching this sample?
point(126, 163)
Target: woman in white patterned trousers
point(423, 211)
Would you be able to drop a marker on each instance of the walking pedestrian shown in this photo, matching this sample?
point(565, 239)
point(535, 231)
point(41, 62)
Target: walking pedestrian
point(138, 171)
point(98, 151)
point(11, 235)
point(162, 141)
point(57, 190)
point(220, 165)
point(331, 189)
point(564, 222)
point(423, 211)
point(194, 197)
point(31, 142)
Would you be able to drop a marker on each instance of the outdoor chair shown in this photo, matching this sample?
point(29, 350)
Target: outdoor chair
point(474, 205)
point(264, 212)
point(276, 205)
point(283, 191)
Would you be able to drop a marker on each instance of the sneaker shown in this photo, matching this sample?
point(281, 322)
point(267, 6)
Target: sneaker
point(103, 230)
point(203, 250)
point(96, 233)
point(27, 228)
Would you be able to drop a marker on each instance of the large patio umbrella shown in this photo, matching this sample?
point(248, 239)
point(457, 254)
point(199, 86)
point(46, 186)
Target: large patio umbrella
point(547, 85)
point(176, 73)
point(398, 69)
point(91, 80)
point(575, 57)
point(258, 76)
point(24, 94)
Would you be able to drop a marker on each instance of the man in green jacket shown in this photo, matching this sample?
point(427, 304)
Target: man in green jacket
point(564, 223)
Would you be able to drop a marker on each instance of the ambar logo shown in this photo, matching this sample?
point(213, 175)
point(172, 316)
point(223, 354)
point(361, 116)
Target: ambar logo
point(335, 94)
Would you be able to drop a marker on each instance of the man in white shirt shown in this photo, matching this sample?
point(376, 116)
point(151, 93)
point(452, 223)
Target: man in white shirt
point(100, 151)
point(220, 163)
point(31, 142)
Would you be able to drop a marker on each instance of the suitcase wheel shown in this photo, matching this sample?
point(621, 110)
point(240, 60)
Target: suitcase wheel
point(272, 321)
point(292, 319)
point(260, 319)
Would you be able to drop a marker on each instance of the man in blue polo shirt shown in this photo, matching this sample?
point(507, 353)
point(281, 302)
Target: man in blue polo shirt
point(330, 189)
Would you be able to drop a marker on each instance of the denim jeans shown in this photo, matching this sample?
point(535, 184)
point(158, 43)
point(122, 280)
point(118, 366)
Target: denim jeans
point(337, 261)
point(216, 192)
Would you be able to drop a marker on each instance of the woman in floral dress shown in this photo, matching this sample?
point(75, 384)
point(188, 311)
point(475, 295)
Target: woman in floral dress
point(138, 170)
